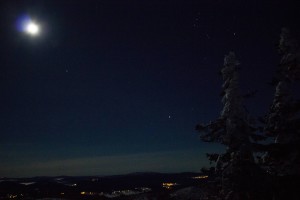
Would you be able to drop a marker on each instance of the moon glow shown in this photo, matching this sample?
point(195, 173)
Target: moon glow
point(28, 26)
point(32, 28)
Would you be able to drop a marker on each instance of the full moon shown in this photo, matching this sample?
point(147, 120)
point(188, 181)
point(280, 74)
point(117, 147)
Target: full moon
point(32, 28)
point(27, 25)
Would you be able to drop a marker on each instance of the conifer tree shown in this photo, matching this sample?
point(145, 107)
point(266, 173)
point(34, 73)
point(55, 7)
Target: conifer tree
point(283, 119)
point(233, 130)
point(240, 174)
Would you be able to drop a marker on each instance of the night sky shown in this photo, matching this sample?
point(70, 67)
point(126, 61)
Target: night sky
point(112, 87)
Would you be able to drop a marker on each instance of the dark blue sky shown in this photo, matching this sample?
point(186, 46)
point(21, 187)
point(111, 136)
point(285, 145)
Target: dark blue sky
point(114, 87)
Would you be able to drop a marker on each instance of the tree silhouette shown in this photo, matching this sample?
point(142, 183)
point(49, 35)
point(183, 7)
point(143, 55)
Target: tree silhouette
point(283, 120)
point(282, 123)
point(276, 174)
point(236, 166)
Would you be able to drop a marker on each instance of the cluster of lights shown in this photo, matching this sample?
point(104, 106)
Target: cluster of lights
point(118, 193)
point(14, 196)
point(88, 193)
point(200, 177)
point(11, 196)
point(95, 179)
point(144, 189)
point(169, 185)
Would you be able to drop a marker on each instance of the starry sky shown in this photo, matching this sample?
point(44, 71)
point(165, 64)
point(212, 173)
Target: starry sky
point(112, 87)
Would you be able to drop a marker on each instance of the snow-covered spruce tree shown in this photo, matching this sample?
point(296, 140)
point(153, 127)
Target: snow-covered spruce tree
point(236, 167)
point(282, 159)
point(283, 119)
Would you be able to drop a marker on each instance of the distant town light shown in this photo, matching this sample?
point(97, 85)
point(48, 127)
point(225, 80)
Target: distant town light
point(169, 185)
point(200, 177)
